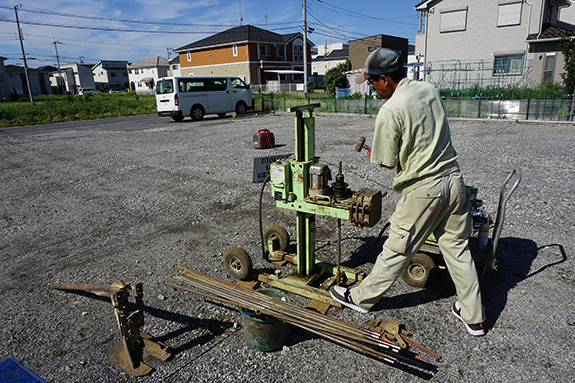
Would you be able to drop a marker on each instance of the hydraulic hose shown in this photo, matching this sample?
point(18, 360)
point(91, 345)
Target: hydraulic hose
point(265, 252)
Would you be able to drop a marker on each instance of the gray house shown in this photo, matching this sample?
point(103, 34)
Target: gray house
point(491, 42)
point(16, 81)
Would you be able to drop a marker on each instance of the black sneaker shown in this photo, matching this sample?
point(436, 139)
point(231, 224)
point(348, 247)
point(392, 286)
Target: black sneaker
point(473, 329)
point(342, 295)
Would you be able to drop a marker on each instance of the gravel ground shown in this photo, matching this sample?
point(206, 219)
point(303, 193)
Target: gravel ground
point(100, 205)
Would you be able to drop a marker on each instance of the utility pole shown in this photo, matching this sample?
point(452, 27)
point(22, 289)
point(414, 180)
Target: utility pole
point(23, 54)
point(60, 82)
point(304, 47)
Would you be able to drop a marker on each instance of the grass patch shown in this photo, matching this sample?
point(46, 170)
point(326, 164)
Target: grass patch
point(52, 109)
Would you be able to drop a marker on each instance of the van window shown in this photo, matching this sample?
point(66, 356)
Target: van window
point(164, 87)
point(191, 85)
point(219, 84)
point(238, 83)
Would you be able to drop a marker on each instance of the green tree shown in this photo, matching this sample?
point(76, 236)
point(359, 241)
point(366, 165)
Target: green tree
point(334, 78)
point(568, 49)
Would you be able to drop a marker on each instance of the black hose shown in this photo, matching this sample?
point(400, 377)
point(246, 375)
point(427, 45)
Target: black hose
point(265, 252)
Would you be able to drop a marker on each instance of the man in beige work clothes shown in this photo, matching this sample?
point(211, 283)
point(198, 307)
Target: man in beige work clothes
point(412, 134)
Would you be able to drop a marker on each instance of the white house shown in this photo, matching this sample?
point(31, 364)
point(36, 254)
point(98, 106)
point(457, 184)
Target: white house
point(110, 75)
point(73, 77)
point(144, 74)
point(326, 57)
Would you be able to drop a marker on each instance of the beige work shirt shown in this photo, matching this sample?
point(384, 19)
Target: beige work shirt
point(412, 133)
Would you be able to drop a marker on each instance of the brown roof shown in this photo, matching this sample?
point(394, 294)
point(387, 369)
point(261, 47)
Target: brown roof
point(552, 31)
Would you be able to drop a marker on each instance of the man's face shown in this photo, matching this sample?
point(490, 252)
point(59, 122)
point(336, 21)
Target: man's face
point(382, 85)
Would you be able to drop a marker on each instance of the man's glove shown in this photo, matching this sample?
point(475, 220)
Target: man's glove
point(369, 155)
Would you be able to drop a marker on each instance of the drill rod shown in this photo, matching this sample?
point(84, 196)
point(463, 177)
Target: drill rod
point(346, 343)
point(267, 305)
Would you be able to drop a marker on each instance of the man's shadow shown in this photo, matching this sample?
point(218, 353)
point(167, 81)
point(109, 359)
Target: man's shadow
point(514, 256)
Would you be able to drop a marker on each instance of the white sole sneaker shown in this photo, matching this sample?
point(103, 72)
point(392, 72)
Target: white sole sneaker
point(479, 331)
point(341, 295)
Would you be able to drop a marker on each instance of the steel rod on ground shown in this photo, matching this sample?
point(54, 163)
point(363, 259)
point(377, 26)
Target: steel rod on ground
point(349, 335)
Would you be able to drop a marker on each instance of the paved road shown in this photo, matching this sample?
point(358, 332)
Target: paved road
point(129, 123)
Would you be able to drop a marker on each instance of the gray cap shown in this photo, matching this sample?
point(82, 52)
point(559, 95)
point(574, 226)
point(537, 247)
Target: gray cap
point(380, 61)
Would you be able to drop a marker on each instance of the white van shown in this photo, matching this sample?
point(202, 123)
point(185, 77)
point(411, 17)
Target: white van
point(196, 96)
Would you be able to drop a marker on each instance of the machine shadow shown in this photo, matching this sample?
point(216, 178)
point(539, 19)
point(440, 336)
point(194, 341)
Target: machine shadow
point(214, 327)
point(515, 257)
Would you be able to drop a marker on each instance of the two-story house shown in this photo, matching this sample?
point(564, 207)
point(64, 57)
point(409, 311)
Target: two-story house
point(144, 74)
point(17, 83)
point(257, 55)
point(490, 42)
point(70, 78)
point(328, 56)
point(110, 75)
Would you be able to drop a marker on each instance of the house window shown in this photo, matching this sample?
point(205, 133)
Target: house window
point(453, 19)
point(235, 50)
point(189, 56)
point(176, 66)
point(548, 68)
point(509, 13)
point(371, 49)
point(280, 52)
point(508, 65)
point(264, 50)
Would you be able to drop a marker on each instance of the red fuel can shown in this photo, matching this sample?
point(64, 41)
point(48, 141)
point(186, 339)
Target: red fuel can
point(263, 138)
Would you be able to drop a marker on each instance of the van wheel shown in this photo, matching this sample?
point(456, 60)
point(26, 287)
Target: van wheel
point(197, 112)
point(241, 107)
point(178, 118)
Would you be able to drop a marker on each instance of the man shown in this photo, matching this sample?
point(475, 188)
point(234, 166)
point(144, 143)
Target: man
point(412, 134)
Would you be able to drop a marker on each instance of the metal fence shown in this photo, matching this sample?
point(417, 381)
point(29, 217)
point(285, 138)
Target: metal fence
point(528, 109)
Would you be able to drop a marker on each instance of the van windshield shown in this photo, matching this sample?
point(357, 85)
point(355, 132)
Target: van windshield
point(164, 87)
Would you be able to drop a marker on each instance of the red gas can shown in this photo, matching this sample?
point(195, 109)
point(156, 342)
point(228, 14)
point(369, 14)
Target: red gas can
point(263, 138)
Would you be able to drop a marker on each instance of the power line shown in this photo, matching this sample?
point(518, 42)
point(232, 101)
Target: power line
point(103, 29)
point(347, 12)
point(53, 13)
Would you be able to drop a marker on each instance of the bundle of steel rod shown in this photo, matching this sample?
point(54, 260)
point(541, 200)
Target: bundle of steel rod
point(362, 340)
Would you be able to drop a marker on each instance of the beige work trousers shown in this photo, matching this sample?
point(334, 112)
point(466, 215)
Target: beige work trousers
point(440, 207)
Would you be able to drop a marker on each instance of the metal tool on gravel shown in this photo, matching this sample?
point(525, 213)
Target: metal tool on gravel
point(130, 316)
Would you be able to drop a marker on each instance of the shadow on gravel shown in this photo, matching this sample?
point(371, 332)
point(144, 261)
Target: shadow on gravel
point(214, 327)
point(514, 259)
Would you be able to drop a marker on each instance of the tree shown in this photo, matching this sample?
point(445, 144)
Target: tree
point(334, 78)
point(568, 49)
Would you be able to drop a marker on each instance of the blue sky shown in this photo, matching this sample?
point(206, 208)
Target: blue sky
point(129, 30)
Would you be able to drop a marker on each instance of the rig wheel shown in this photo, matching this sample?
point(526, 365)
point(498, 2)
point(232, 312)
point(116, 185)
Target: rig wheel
point(420, 271)
point(279, 235)
point(237, 263)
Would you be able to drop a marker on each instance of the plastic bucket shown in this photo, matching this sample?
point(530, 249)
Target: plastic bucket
point(265, 333)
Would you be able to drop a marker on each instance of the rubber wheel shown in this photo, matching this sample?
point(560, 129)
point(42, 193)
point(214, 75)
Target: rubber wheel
point(221, 115)
point(279, 234)
point(178, 118)
point(241, 108)
point(237, 263)
point(420, 271)
point(197, 112)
